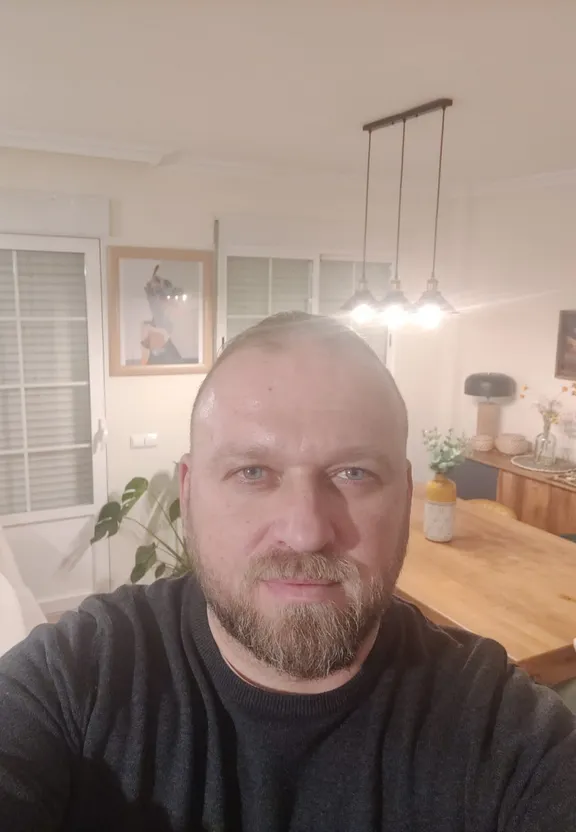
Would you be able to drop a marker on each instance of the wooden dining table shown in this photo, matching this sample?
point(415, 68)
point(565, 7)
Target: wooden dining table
point(499, 578)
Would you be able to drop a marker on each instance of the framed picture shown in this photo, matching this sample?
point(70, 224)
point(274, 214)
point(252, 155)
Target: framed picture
point(160, 308)
point(566, 351)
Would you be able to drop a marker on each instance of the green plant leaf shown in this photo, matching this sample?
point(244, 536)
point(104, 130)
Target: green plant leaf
point(160, 569)
point(132, 493)
point(146, 554)
point(145, 560)
point(108, 521)
point(138, 572)
point(174, 510)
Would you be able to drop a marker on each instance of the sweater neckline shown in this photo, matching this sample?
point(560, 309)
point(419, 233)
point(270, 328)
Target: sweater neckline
point(236, 693)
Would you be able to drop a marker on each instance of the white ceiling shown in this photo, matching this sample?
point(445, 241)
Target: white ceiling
point(289, 84)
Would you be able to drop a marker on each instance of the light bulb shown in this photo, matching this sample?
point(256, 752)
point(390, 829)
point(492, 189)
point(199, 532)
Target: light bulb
point(363, 313)
point(430, 315)
point(394, 315)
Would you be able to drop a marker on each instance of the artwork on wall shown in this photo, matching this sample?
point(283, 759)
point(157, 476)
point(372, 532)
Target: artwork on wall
point(161, 312)
point(566, 351)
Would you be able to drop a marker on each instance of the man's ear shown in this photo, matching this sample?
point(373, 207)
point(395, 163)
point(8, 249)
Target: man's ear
point(184, 485)
point(405, 531)
point(409, 478)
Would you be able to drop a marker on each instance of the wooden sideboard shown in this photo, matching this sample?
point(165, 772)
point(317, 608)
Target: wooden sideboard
point(536, 498)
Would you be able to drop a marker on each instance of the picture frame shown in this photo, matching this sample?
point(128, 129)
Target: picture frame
point(566, 348)
point(160, 310)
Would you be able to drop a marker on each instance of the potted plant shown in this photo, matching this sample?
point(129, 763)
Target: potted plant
point(445, 453)
point(165, 548)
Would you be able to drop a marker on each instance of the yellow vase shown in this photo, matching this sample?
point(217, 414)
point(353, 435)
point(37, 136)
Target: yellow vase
point(441, 490)
point(439, 509)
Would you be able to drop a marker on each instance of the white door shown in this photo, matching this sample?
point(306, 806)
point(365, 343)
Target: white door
point(52, 415)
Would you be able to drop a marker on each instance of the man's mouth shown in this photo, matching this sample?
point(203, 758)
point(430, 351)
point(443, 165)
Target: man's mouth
point(302, 588)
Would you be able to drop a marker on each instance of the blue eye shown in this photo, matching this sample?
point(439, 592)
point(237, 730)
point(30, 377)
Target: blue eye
point(353, 474)
point(252, 474)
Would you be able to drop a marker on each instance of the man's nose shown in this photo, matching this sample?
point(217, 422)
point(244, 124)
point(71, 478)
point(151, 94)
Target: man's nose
point(306, 516)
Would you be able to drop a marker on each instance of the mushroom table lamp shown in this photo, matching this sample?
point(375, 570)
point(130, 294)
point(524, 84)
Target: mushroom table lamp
point(489, 389)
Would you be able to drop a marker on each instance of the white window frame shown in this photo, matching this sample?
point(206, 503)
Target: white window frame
point(291, 254)
point(90, 248)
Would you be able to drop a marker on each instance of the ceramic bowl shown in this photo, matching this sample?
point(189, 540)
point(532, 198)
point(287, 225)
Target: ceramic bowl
point(512, 444)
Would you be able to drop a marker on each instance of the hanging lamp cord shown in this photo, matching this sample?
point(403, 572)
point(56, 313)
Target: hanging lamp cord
point(440, 155)
point(363, 283)
point(400, 190)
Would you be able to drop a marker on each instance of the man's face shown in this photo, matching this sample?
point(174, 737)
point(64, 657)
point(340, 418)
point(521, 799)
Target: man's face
point(295, 501)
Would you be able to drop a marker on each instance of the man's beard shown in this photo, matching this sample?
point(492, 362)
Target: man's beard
point(303, 640)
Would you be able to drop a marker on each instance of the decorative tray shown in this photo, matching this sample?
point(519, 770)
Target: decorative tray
point(568, 478)
point(560, 467)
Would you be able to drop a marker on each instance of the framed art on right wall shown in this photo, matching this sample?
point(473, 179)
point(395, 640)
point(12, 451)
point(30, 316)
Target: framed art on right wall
point(566, 350)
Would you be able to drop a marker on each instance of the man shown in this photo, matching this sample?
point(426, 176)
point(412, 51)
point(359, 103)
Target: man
point(282, 689)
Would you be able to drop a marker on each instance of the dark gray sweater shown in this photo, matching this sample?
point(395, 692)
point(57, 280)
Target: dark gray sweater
point(124, 716)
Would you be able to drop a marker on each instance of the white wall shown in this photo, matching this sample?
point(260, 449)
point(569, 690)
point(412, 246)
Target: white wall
point(506, 255)
point(519, 272)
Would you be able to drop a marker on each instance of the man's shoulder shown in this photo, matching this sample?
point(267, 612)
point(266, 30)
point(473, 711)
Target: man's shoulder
point(163, 597)
point(114, 640)
point(136, 616)
point(507, 742)
point(465, 673)
point(449, 652)
point(107, 621)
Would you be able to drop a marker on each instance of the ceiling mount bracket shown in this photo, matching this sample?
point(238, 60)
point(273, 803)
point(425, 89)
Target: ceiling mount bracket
point(405, 115)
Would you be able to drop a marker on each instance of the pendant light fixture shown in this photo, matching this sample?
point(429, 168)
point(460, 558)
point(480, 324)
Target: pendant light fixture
point(432, 307)
point(362, 306)
point(395, 306)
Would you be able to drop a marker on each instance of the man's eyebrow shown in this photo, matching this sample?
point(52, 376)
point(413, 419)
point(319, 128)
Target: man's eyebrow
point(361, 452)
point(234, 451)
point(261, 451)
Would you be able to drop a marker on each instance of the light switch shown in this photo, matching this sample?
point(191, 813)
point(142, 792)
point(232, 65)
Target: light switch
point(143, 440)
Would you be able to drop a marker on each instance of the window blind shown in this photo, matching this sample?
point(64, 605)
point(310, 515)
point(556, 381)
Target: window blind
point(12, 484)
point(260, 286)
point(45, 416)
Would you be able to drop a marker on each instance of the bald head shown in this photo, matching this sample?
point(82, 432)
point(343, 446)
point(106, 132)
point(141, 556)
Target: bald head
point(301, 334)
